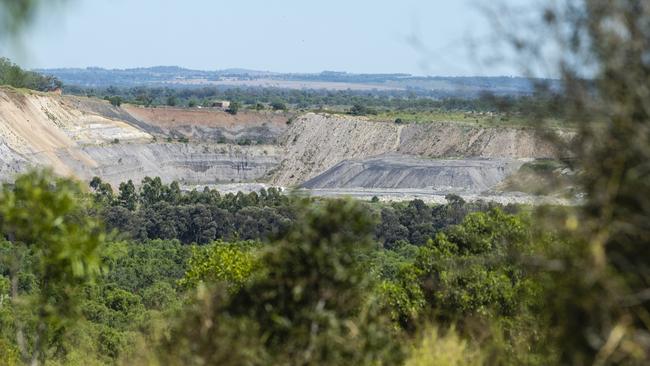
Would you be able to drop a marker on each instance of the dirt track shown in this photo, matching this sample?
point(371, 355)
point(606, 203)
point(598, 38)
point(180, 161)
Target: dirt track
point(428, 196)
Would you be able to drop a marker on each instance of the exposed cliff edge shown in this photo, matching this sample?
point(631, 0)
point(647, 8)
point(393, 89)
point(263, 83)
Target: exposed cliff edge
point(211, 124)
point(36, 128)
point(315, 143)
point(85, 137)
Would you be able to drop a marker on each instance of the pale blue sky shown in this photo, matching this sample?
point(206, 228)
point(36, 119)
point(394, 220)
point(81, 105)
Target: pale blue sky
point(363, 36)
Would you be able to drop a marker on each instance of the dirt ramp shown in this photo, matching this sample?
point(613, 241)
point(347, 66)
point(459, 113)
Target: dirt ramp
point(408, 172)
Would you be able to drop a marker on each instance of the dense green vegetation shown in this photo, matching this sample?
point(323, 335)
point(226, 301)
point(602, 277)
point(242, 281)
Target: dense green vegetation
point(551, 286)
point(408, 106)
point(178, 259)
point(11, 74)
point(161, 211)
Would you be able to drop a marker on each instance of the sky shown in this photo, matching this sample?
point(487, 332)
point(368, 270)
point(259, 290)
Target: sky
point(420, 37)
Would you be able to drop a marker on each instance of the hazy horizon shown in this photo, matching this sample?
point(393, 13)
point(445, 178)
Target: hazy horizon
point(276, 72)
point(422, 38)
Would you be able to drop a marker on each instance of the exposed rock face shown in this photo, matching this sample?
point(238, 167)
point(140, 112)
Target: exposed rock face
point(11, 162)
point(453, 139)
point(401, 171)
point(210, 124)
point(35, 127)
point(315, 143)
point(185, 163)
point(86, 137)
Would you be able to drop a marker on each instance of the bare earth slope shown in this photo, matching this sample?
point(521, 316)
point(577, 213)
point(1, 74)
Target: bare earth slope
point(36, 128)
point(86, 137)
point(315, 143)
point(395, 171)
point(454, 139)
point(209, 124)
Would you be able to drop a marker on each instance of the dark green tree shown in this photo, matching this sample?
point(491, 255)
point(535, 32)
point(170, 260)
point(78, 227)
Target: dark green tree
point(234, 108)
point(48, 217)
point(152, 191)
point(127, 197)
point(311, 305)
point(279, 106)
point(102, 190)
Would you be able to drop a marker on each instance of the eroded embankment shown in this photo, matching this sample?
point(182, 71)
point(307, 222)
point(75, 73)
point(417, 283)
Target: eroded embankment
point(196, 163)
point(86, 137)
point(211, 124)
point(36, 127)
point(315, 143)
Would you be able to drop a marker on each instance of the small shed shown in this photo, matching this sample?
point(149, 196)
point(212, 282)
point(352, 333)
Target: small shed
point(223, 104)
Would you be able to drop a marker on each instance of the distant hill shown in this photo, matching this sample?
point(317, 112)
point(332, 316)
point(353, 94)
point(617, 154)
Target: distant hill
point(174, 76)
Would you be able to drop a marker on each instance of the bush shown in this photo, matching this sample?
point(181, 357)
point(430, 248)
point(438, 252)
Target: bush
point(229, 263)
point(160, 296)
point(448, 349)
point(361, 110)
point(115, 101)
point(311, 303)
point(234, 108)
point(279, 106)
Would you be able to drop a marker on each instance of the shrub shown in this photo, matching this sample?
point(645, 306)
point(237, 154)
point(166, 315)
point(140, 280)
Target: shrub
point(234, 108)
point(279, 106)
point(448, 349)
